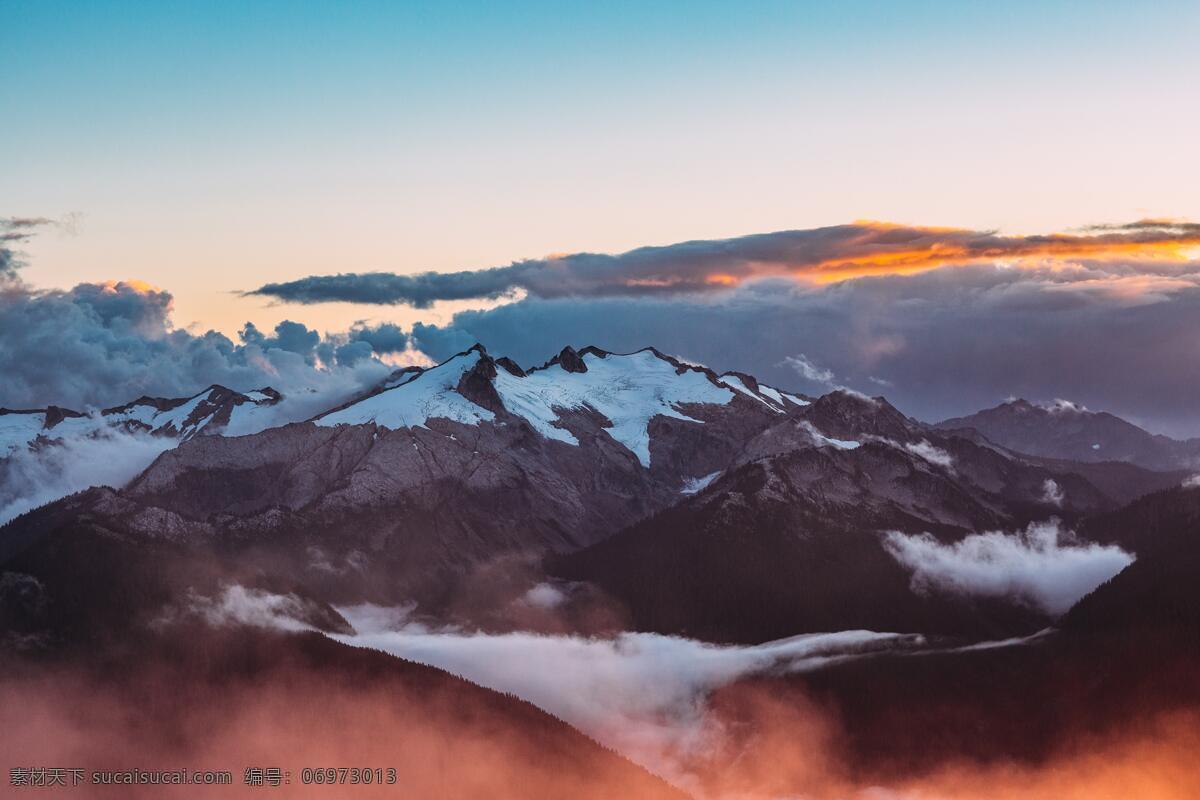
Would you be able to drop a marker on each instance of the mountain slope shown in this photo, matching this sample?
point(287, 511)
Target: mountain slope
point(722, 487)
point(792, 540)
point(1067, 431)
point(442, 469)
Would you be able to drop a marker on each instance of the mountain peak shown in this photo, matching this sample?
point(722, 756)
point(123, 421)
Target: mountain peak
point(56, 414)
point(569, 360)
point(1068, 430)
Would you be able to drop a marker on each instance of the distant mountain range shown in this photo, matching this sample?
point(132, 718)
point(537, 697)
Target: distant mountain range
point(1069, 431)
point(211, 412)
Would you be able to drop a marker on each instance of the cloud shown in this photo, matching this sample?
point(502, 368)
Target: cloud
point(642, 694)
point(1052, 493)
point(1039, 566)
point(111, 457)
point(544, 595)
point(931, 453)
point(14, 230)
point(702, 267)
point(1114, 335)
point(808, 370)
point(238, 605)
point(103, 344)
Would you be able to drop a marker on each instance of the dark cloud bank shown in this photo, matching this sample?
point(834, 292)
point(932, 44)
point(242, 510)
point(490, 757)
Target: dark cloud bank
point(936, 344)
point(101, 344)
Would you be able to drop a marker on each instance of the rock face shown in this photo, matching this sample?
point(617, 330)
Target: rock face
point(1068, 431)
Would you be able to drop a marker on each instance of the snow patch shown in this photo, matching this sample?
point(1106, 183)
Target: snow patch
point(823, 440)
point(18, 430)
point(736, 383)
point(431, 394)
point(629, 390)
point(697, 485)
point(774, 394)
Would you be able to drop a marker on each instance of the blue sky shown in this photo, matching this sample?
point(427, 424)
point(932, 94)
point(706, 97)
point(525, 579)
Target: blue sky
point(206, 142)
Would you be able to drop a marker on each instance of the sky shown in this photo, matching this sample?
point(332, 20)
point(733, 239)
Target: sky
point(213, 149)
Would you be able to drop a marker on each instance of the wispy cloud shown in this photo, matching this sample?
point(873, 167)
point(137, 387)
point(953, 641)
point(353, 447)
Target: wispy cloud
point(13, 231)
point(643, 694)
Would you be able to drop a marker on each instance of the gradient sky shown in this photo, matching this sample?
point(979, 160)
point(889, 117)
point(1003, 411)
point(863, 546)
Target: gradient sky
point(213, 147)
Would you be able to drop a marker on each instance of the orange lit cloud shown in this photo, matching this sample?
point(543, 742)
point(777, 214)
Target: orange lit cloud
point(1170, 242)
point(819, 255)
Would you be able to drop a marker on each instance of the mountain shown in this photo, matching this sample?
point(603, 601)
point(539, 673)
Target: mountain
point(787, 540)
point(685, 495)
point(213, 411)
point(604, 492)
point(1067, 431)
point(460, 463)
point(1123, 662)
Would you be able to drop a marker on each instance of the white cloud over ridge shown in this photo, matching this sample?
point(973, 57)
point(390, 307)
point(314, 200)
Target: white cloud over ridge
point(110, 457)
point(643, 694)
point(931, 453)
point(1039, 566)
point(105, 344)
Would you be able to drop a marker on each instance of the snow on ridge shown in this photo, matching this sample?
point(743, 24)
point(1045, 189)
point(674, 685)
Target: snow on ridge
point(736, 383)
point(248, 416)
point(18, 429)
point(774, 394)
point(629, 390)
point(823, 440)
point(800, 401)
point(432, 393)
point(1060, 406)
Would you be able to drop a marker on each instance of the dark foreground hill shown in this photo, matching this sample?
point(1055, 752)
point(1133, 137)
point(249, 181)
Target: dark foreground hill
point(230, 698)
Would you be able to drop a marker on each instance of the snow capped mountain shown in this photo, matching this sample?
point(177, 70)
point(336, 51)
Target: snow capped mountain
point(216, 410)
point(627, 390)
point(421, 396)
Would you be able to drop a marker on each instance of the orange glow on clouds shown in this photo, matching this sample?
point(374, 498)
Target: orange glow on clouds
point(137, 286)
point(1017, 250)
